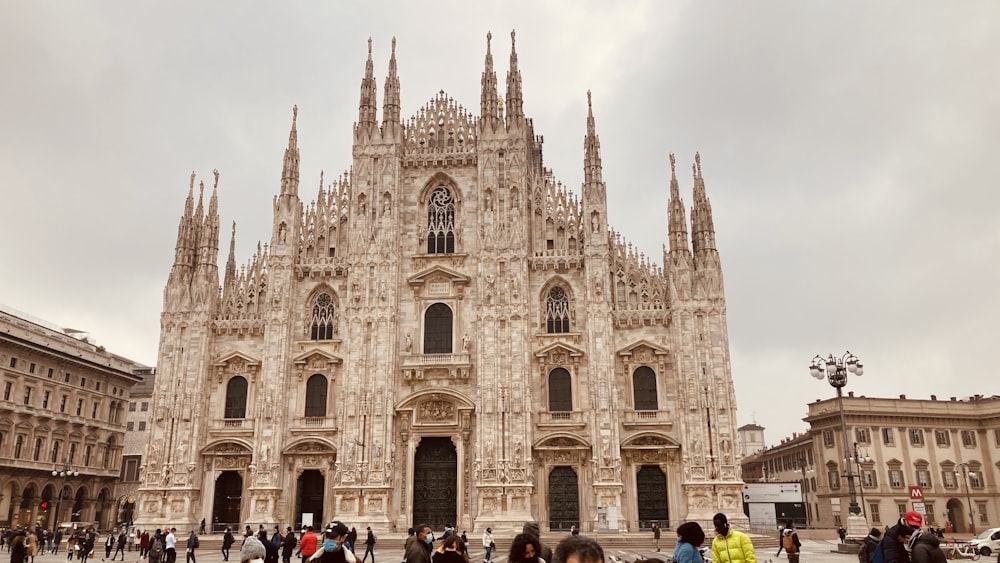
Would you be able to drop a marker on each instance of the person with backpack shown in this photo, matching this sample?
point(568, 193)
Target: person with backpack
point(790, 542)
point(369, 545)
point(868, 546)
point(155, 551)
point(192, 544)
point(892, 548)
point(925, 547)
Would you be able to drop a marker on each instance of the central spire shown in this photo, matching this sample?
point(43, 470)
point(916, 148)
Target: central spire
point(592, 152)
point(515, 101)
point(390, 103)
point(488, 102)
point(367, 109)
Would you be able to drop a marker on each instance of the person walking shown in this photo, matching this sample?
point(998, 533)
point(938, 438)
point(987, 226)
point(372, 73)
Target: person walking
point(228, 539)
point(729, 545)
point(120, 545)
point(288, 544)
point(18, 552)
point(56, 540)
point(790, 542)
point(192, 544)
point(369, 545)
point(656, 535)
point(868, 545)
point(307, 544)
point(352, 539)
point(488, 545)
point(144, 544)
point(170, 546)
point(690, 537)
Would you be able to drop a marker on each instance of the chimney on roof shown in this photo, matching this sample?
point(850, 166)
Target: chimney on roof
point(954, 399)
point(902, 397)
point(933, 397)
point(850, 393)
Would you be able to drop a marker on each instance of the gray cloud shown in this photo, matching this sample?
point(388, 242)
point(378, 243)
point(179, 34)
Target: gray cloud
point(848, 150)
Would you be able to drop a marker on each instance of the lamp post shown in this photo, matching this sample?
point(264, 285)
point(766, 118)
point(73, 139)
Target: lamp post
point(65, 473)
point(836, 370)
point(966, 473)
point(859, 459)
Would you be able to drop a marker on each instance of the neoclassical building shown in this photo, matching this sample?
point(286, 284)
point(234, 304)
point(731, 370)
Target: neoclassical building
point(444, 334)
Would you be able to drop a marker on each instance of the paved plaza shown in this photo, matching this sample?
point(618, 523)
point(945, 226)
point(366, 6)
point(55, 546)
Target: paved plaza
point(813, 551)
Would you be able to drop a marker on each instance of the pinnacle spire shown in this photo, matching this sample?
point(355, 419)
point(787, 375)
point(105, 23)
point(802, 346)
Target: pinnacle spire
point(702, 224)
point(515, 100)
point(231, 261)
point(290, 167)
point(676, 220)
point(488, 102)
point(592, 150)
point(390, 102)
point(367, 109)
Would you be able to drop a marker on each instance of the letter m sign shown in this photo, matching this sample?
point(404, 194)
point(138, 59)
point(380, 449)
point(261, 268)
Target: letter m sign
point(916, 493)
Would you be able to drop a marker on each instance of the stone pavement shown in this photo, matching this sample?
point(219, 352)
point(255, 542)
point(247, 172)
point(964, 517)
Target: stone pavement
point(813, 551)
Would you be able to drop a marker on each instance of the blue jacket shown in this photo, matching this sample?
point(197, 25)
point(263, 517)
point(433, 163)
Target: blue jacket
point(687, 553)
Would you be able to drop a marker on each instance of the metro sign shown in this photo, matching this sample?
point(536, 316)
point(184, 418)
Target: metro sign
point(916, 493)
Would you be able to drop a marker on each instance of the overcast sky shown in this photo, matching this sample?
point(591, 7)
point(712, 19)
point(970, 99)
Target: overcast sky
point(850, 151)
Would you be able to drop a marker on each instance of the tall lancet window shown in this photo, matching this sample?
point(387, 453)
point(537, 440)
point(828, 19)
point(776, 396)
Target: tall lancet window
point(557, 311)
point(323, 318)
point(441, 222)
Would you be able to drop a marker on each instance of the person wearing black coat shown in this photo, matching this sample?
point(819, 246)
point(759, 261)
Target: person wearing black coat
point(352, 538)
point(288, 546)
point(272, 550)
point(894, 541)
point(925, 547)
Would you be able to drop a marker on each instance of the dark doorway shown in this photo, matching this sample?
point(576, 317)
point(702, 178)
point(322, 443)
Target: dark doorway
point(435, 482)
point(228, 497)
point(309, 495)
point(651, 497)
point(564, 499)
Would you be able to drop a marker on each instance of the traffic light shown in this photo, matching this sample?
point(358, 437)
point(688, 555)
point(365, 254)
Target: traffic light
point(44, 505)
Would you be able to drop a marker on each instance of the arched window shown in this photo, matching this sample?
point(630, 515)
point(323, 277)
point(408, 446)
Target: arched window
point(38, 449)
point(323, 318)
point(560, 390)
point(86, 455)
point(557, 311)
point(316, 396)
point(438, 329)
point(236, 398)
point(644, 389)
point(55, 452)
point(18, 446)
point(109, 453)
point(441, 222)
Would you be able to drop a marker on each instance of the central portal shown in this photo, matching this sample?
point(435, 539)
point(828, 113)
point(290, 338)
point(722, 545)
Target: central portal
point(435, 482)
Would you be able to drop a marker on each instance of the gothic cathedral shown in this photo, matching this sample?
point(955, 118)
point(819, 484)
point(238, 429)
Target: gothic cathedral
point(448, 335)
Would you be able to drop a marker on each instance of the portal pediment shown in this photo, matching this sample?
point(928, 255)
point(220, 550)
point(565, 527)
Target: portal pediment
point(316, 361)
point(559, 353)
point(651, 441)
point(637, 348)
point(439, 274)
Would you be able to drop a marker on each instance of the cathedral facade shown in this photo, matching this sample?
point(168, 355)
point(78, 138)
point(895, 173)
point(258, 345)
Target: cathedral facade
point(446, 335)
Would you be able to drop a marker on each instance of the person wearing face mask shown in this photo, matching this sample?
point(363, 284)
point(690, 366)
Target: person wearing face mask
point(892, 548)
point(420, 549)
point(729, 545)
point(452, 550)
point(333, 549)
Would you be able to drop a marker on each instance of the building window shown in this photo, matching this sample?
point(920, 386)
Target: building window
point(7, 387)
point(981, 507)
point(828, 438)
point(51, 371)
point(72, 452)
point(31, 367)
point(901, 508)
point(916, 437)
point(834, 477)
point(896, 478)
point(45, 399)
point(18, 446)
point(27, 395)
point(93, 413)
point(130, 472)
point(13, 362)
point(441, 222)
point(37, 454)
point(55, 451)
point(560, 391)
point(236, 398)
point(863, 435)
point(924, 478)
point(66, 377)
point(948, 478)
point(996, 437)
point(438, 329)
point(316, 388)
point(976, 479)
point(109, 453)
point(887, 437)
point(969, 438)
point(129, 426)
point(644, 389)
point(79, 407)
point(929, 515)
point(557, 311)
point(144, 406)
point(868, 480)
point(874, 512)
point(83, 382)
point(131, 406)
point(87, 453)
point(97, 386)
point(142, 425)
point(323, 318)
point(942, 438)
point(62, 403)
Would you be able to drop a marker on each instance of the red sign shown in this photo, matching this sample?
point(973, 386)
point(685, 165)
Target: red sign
point(916, 493)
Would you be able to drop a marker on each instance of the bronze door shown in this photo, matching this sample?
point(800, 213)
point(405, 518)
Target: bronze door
point(309, 496)
point(228, 494)
point(564, 498)
point(435, 482)
point(651, 497)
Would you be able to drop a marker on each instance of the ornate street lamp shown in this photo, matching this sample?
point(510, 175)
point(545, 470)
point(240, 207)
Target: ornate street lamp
point(836, 370)
point(65, 473)
point(966, 473)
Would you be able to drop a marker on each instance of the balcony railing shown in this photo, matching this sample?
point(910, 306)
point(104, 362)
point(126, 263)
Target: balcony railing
point(650, 418)
point(313, 423)
point(221, 424)
point(561, 418)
